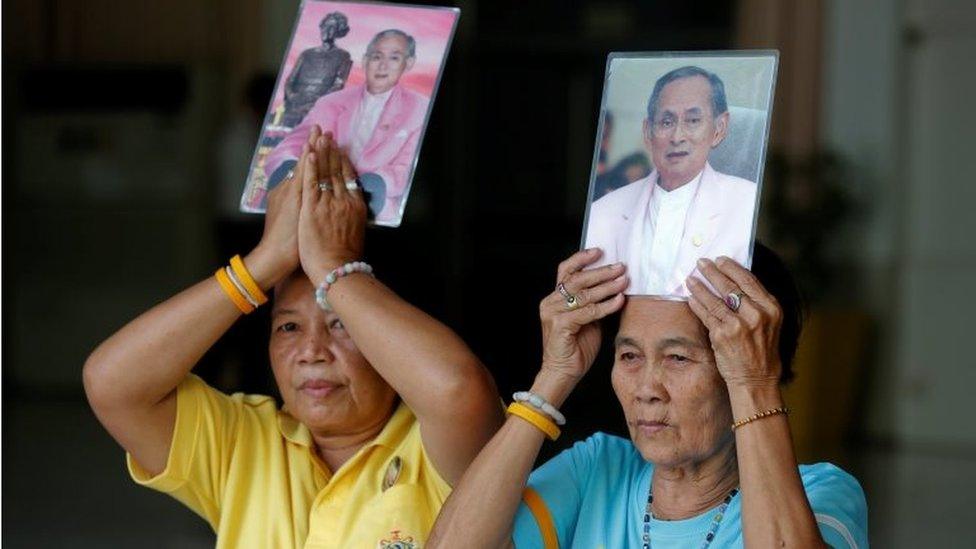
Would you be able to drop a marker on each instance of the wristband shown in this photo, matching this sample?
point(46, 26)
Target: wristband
point(541, 404)
point(232, 292)
point(542, 422)
point(244, 276)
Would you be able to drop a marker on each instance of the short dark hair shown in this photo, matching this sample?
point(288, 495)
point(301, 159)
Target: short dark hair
point(719, 104)
point(776, 278)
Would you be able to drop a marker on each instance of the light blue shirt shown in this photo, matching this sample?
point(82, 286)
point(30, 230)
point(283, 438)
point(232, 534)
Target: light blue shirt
point(596, 492)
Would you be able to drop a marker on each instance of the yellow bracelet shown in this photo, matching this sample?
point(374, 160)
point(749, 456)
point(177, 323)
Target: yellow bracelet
point(760, 415)
point(232, 291)
point(247, 280)
point(544, 424)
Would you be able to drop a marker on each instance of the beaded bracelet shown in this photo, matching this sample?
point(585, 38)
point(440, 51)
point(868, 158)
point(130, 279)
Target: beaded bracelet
point(541, 404)
point(760, 415)
point(542, 422)
point(336, 274)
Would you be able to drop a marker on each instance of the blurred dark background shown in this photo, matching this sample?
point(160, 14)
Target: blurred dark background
point(128, 126)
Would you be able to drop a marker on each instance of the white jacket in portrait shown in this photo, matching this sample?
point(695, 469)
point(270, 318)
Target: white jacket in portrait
point(719, 222)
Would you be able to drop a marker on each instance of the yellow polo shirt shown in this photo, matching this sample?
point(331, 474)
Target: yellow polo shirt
point(251, 471)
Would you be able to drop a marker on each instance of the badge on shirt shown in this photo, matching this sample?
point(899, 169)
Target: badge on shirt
point(392, 472)
point(396, 542)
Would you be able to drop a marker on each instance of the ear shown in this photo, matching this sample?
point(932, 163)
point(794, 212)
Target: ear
point(646, 131)
point(410, 62)
point(721, 129)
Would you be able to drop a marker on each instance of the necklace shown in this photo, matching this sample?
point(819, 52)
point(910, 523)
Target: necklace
point(716, 520)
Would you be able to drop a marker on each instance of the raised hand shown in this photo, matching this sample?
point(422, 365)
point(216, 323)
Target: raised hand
point(277, 250)
point(745, 340)
point(570, 331)
point(332, 223)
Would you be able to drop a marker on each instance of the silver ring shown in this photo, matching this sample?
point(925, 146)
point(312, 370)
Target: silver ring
point(733, 300)
point(325, 187)
point(290, 175)
point(572, 301)
point(352, 185)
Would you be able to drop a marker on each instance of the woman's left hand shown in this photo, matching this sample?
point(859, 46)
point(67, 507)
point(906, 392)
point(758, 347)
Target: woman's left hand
point(745, 341)
point(332, 222)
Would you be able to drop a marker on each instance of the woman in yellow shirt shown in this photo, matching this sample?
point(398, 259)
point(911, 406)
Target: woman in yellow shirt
point(384, 407)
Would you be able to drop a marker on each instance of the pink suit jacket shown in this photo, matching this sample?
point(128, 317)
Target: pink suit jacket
point(390, 150)
point(719, 222)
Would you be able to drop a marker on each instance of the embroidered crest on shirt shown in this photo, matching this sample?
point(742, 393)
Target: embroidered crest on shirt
point(396, 542)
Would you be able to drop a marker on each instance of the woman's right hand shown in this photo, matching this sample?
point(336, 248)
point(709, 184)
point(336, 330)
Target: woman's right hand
point(571, 335)
point(276, 255)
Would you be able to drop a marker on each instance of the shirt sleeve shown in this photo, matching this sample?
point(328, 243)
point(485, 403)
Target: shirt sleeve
point(200, 452)
point(839, 506)
point(559, 484)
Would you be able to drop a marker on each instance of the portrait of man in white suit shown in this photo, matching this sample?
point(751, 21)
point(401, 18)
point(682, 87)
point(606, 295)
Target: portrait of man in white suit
point(659, 226)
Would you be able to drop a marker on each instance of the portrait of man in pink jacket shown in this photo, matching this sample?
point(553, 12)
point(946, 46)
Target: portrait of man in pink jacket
point(378, 122)
point(659, 226)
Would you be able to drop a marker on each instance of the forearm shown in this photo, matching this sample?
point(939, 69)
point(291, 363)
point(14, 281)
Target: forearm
point(483, 504)
point(431, 368)
point(145, 360)
point(775, 510)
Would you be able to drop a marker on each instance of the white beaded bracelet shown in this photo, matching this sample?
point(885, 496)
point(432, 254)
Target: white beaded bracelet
point(540, 404)
point(336, 274)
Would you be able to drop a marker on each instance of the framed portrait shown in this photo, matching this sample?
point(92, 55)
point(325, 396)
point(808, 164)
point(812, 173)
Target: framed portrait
point(678, 162)
point(368, 73)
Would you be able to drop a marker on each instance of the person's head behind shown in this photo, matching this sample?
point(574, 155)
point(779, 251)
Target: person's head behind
point(324, 380)
point(664, 375)
point(333, 25)
point(687, 116)
point(388, 55)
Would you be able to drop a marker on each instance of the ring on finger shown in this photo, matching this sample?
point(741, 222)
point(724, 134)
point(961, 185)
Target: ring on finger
point(352, 184)
point(572, 300)
point(324, 186)
point(733, 300)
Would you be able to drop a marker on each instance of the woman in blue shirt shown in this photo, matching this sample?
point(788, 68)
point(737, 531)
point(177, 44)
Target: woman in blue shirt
point(683, 373)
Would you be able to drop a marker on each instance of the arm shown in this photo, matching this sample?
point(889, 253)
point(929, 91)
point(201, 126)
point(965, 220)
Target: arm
point(775, 510)
point(131, 378)
point(293, 77)
point(429, 366)
point(484, 504)
point(342, 74)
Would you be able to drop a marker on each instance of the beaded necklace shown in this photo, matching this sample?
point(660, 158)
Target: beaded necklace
point(716, 520)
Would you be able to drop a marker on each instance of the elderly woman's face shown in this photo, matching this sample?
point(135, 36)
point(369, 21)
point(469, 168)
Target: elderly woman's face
point(664, 374)
point(325, 381)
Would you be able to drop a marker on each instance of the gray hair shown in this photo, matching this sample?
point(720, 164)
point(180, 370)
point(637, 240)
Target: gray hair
point(719, 104)
point(411, 43)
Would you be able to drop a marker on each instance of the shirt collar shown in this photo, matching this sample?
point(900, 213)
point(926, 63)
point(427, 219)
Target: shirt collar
point(380, 98)
point(393, 432)
point(682, 194)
